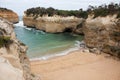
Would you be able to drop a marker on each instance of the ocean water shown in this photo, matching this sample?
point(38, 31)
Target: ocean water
point(43, 45)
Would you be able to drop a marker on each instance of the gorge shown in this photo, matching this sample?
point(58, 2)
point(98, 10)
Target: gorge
point(100, 25)
point(51, 33)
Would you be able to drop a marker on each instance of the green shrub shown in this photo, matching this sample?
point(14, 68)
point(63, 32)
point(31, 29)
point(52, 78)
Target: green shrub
point(51, 11)
point(5, 9)
point(105, 10)
point(5, 41)
point(102, 10)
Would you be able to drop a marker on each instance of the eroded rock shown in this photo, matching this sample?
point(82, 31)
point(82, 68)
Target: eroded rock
point(9, 15)
point(103, 33)
point(54, 24)
point(14, 64)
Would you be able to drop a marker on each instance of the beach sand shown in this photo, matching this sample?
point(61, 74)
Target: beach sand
point(78, 65)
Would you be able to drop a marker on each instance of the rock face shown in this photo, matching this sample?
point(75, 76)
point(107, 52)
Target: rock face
point(54, 24)
point(14, 64)
point(9, 15)
point(103, 33)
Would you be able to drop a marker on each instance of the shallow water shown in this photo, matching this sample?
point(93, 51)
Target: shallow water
point(45, 44)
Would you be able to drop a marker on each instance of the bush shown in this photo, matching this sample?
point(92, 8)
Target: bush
point(105, 10)
point(5, 41)
point(51, 11)
point(102, 10)
point(5, 9)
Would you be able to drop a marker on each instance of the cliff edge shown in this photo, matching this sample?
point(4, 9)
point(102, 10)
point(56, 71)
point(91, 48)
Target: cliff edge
point(53, 20)
point(14, 64)
point(9, 15)
point(103, 33)
point(53, 24)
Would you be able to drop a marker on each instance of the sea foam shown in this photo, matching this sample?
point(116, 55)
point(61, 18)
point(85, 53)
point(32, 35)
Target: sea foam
point(20, 24)
point(62, 53)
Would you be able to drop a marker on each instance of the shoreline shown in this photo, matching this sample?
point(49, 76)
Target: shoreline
point(78, 65)
point(60, 54)
point(51, 56)
point(48, 57)
point(59, 48)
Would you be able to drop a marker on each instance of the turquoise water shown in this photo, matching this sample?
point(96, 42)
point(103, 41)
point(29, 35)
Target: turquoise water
point(45, 44)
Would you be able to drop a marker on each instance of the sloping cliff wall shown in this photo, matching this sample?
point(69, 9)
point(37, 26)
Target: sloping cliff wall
point(103, 33)
point(54, 24)
point(14, 64)
point(9, 15)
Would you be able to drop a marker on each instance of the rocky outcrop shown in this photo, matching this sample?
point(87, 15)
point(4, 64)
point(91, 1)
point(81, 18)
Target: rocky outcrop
point(9, 15)
point(103, 33)
point(79, 28)
point(54, 24)
point(14, 64)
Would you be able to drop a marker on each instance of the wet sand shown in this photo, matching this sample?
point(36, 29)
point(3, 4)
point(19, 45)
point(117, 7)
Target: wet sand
point(78, 65)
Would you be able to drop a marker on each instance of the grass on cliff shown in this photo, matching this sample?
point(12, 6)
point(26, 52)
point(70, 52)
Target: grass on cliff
point(5, 41)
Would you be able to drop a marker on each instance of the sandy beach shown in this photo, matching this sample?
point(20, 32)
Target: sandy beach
point(78, 65)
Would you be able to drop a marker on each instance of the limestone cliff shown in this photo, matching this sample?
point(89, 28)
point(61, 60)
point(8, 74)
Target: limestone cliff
point(103, 33)
point(53, 24)
point(14, 64)
point(9, 15)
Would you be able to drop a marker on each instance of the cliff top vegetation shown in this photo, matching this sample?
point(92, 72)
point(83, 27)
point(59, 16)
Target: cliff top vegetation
point(5, 9)
point(40, 11)
point(102, 10)
point(105, 10)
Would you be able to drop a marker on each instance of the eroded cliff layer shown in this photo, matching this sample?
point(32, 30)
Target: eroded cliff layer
point(14, 64)
point(54, 24)
point(9, 15)
point(103, 33)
